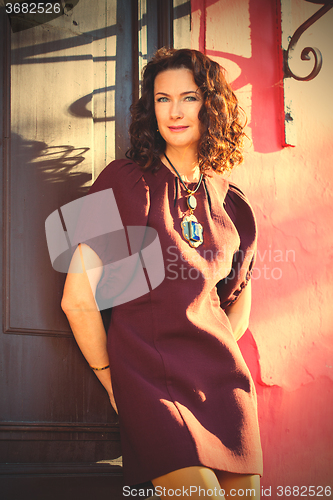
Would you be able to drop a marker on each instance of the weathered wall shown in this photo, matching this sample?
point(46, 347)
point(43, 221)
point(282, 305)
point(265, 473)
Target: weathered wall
point(289, 344)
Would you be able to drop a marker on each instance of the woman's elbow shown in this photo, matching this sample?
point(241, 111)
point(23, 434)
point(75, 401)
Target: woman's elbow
point(241, 329)
point(64, 304)
point(78, 295)
point(70, 303)
point(67, 304)
point(239, 324)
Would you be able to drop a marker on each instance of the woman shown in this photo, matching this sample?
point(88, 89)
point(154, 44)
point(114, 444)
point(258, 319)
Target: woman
point(186, 400)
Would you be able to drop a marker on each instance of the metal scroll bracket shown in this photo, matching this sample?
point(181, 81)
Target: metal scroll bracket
point(288, 46)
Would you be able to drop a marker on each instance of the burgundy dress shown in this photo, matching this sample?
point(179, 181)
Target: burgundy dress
point(184, 393)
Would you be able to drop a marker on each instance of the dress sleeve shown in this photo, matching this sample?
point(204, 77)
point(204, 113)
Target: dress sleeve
point(116, 202)
point(240, 212)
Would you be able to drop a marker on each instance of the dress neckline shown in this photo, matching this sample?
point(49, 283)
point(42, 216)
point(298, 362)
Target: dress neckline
point(175, 175)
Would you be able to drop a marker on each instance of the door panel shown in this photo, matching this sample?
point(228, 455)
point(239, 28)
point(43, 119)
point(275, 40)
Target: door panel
point(60, 125)
point(67, 88)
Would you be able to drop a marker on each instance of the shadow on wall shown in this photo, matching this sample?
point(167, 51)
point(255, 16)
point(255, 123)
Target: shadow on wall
point(262, 71)
point(42, 179)
point(52, 164)
point(40, 54)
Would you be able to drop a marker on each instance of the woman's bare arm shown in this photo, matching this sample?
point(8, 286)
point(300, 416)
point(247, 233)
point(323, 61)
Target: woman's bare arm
point(239, 312)
point(78, 303)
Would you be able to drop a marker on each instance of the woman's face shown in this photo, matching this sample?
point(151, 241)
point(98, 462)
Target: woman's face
point(178, 101)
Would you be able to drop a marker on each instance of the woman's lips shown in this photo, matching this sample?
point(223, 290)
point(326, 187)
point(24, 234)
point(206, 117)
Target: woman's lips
point(178, 129)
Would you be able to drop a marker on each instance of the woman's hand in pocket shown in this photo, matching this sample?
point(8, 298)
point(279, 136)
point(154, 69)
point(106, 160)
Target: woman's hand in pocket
point(113, 402)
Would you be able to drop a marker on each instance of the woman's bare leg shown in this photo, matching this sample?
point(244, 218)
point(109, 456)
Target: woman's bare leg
point(190, 482)
point(239, 486)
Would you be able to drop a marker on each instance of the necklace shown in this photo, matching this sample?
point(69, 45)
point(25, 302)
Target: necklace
point(192, 229)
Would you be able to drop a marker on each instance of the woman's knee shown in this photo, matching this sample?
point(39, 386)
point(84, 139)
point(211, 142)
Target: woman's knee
point(191, 482)
point(239, 486)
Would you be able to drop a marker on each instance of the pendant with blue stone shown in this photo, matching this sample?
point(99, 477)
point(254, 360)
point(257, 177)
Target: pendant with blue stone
point(192, 230)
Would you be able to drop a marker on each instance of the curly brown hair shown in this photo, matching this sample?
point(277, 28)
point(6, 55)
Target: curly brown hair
point(220, 146)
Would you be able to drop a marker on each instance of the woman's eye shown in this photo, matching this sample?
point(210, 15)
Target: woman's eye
point(162, 99)
point(190, 98)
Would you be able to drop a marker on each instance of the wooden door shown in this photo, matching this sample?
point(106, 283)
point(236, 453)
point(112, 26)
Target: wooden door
point(68, 82)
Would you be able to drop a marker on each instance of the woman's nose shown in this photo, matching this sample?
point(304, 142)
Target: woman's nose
point(176, 111)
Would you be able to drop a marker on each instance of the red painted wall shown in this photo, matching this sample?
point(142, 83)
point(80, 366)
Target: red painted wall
point(289, 343)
